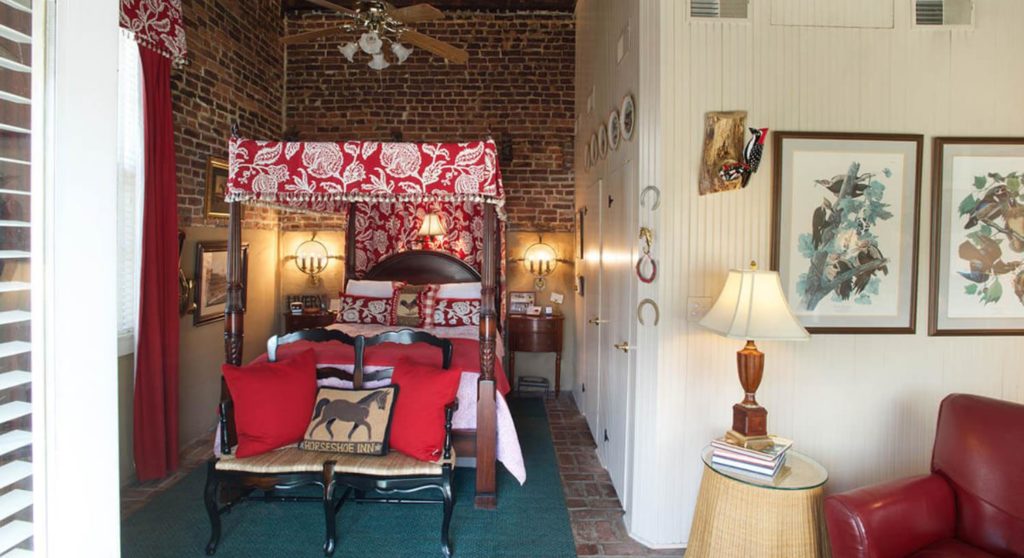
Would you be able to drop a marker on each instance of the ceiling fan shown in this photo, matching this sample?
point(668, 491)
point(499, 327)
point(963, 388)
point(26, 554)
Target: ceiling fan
point(380, 21)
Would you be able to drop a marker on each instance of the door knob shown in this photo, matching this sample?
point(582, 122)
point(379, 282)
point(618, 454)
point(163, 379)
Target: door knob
point(624, 346)
point(596, 321)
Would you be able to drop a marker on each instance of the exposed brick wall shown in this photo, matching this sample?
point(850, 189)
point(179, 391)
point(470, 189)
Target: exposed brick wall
point(518, 88)
point(235, 73)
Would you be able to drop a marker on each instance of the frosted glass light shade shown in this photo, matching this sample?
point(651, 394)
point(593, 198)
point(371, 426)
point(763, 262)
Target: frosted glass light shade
point(401, 51)
point(370, 42)
point(432, 226)
point(378, 62)
point(753, 306)
point(349, 50)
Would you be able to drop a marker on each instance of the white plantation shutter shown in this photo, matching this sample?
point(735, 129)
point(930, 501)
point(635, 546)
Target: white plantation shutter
point(929, 12)
point(728, 9)
point(16, 197)
point(129, 193)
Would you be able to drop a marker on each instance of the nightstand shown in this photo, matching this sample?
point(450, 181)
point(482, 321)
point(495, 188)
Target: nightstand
point(535, 334)
point(295, 322)
point(740, 514)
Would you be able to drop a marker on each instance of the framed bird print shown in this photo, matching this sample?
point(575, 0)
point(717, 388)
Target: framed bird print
point(845, 229)
point(977, 267)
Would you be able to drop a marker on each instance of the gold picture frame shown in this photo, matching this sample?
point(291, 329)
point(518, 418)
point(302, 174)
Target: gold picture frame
point(216, 187)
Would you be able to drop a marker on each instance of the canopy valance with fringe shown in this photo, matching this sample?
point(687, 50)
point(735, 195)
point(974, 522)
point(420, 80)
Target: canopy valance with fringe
point(157, 25)
point(323, 177)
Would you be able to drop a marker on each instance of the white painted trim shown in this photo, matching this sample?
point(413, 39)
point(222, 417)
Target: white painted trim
point(126, 344)
point(657, 546)
point(41, 313)
point(79, 274)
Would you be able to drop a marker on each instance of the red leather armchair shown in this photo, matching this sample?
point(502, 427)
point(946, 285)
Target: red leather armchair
point(970, 506)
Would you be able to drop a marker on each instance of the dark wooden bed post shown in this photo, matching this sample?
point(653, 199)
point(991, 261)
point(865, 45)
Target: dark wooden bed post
point(234, 317)
point(486, 406)
point(350, 243)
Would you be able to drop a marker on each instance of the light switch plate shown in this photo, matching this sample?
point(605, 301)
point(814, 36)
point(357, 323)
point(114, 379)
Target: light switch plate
point(697, 307)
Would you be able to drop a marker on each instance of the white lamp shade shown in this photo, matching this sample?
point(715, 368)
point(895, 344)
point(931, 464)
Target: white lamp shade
point(432, 226)
point(378, 62)
point(401, 51)
point(370, 42)
point(349, 50)
point(753, 306)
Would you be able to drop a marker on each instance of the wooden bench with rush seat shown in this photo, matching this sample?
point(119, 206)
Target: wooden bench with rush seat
point(341, 476)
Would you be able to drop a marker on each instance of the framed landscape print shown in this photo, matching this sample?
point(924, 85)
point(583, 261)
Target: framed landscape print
point(977, 267)
point(845, 229)
point(211, 279)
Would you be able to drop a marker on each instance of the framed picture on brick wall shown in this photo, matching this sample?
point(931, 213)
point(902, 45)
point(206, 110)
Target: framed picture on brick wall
point(216, 187)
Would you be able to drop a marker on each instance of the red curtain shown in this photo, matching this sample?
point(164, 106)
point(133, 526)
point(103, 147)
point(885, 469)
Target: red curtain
point(156, 370)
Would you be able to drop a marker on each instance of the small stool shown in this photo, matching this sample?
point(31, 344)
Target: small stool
point(533, 383)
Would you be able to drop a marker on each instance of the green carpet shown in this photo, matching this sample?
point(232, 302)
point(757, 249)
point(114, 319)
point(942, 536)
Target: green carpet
point(531, 520)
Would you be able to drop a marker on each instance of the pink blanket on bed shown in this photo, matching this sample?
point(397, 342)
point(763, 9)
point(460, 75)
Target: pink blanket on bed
point(465, 356)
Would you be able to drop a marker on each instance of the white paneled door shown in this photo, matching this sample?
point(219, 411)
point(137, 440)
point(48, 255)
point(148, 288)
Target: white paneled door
point(590, 270)
point(615, 337)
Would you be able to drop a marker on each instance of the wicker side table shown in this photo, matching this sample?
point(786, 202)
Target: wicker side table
point(740, 515)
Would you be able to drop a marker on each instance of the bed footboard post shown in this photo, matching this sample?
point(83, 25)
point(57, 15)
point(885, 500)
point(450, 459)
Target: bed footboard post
point(486, 407)
point(234, 327)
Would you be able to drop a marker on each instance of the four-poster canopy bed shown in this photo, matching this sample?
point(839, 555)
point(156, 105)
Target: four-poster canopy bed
point(326, 177)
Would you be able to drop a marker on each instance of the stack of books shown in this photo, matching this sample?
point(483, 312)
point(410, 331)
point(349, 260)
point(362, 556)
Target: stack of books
point(764, 460)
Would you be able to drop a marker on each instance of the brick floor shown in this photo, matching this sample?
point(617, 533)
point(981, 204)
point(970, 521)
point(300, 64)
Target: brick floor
point(594, 509)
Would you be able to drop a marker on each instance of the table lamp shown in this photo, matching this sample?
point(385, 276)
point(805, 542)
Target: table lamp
point(433, 227)
point(752, 306)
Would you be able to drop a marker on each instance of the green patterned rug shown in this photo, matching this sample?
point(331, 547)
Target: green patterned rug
point(531, 520)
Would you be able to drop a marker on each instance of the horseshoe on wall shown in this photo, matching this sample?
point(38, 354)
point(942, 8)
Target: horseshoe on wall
point(640, 311)
point(657, 197)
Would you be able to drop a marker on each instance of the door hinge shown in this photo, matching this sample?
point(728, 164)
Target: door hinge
point(611, 200)
point(605, 434)
point(584, 388)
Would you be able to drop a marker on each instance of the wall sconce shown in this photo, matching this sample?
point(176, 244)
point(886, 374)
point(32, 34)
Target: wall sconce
point(540, 260)
point(432, 227)
point(311, 257)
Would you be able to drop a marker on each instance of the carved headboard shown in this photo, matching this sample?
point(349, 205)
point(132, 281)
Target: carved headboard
point(420, 267)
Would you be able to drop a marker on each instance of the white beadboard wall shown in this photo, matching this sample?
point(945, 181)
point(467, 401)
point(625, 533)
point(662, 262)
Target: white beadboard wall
point(864, 406)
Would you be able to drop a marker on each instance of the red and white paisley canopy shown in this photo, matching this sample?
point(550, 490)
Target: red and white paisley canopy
point(324, 176)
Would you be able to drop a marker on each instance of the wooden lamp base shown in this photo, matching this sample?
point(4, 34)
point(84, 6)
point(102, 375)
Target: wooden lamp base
point(749, 419)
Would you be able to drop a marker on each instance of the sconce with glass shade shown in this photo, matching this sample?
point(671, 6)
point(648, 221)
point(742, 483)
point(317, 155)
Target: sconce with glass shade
point(311, 257)
point(432, 227)
point(540, 260)
point(752, 306)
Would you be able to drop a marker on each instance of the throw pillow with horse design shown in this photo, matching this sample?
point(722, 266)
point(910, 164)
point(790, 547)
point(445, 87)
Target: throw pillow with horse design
point(351, 421)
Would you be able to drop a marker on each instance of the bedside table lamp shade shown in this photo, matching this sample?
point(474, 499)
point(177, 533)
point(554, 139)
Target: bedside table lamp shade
point(752, 306)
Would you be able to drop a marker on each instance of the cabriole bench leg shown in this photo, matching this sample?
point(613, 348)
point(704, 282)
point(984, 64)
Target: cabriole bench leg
point(210, 499)
point(449, 504)
point(330, 509)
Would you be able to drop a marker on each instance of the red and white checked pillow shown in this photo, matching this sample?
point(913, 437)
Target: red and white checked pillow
point(366, 310)
point(456, 311)
point(427, 301)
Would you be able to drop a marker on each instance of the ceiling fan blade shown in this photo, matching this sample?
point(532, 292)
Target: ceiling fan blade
point(332, 6)
point(311, 35)
point(417, 13)
point(430, 44)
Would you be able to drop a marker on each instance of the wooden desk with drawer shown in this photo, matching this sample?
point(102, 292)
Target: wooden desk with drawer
point(535, 334)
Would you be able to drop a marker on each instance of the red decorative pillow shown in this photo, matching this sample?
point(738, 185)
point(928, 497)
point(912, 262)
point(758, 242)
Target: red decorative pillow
point(427, 301)
point(366, 309)
point(417, 427)
point(273, 402)
point(456, 311)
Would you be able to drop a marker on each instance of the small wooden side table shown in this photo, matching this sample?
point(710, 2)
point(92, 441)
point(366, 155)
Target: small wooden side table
point(535, 334)
point(295, 322)
point(741, 515)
